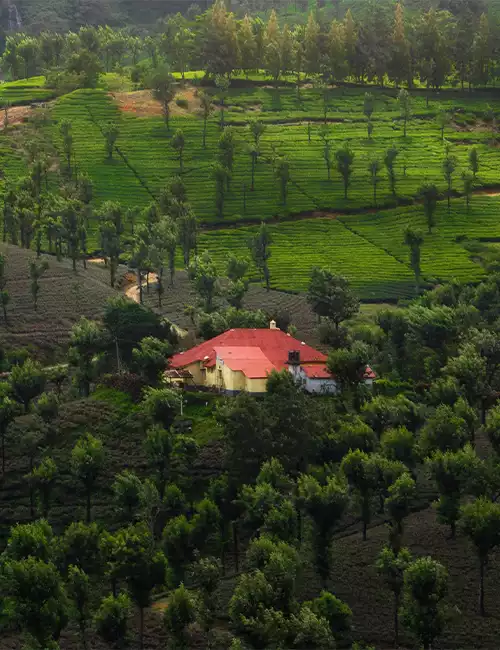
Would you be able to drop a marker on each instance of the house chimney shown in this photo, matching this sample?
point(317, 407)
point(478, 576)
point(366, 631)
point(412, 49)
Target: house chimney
point(293, 358)
point(272, 325)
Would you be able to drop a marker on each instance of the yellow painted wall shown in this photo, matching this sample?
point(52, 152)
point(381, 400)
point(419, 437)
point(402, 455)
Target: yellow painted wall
point(198, 375)
point(222, 377)
point(256, 385)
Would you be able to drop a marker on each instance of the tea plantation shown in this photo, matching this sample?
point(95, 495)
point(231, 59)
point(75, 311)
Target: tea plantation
point(357, 237)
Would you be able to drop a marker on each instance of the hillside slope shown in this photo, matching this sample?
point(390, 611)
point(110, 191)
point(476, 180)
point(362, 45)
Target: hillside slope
point(64, 297)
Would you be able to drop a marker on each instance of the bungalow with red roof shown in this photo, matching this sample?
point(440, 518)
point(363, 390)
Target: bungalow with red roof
point(242, 359)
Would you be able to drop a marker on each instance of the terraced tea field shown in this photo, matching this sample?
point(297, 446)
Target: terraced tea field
point(369, 249)
point(362, 242)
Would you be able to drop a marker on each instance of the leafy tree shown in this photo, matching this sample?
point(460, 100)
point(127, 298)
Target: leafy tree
point(207, 572)
point(111, 133)
point(282, 173)
point(374, 171)
point(205, 280)
point(257, 129)
point(37, 270)
point(227, 150)
point(151, 358)
point(187, 234)
point(87, 460)
point(449, 167)
point(159, 445)
point(221, 175)
point(404, 100)
point(9, 410)
point(474, 162)
point(179, 615)
point(348, 366)
point(345, 160)
point(4, 294)
point(399, 444)
point(453, 472)
point(368, 108)
point(111, 230)
point(222, 84)
point(141, 566)
point(260, 249)
point(42, 479)
point(78, 589)
point(161, 405)
point(480, 521)
point(389, 162)
point(26, 382)
point(325, 504)
point(401, 494)
point(414, 240)
point(251, 610)
point(178, 144)
point(207, 109)
point(337, 613)
point(311, 630)
point(66, 132)
point(80, 546)
point(468, 185)
point(35, 600)
point(30, 540)
point(425, 586)
point(127, 492)
point(361, 473)
point(443, 119)
point(330, 296)
point(128, 323)
point(391, 566)
point(112, 617)
point(429, 195)
point(88, 339)
point(162, 84)
point(442, 431)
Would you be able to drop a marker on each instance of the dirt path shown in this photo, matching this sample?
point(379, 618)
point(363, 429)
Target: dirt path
point(132, 291)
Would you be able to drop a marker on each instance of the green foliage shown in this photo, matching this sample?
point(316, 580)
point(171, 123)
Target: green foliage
point(30, 540)
point(325, 504)
point(35, 600)
point(425, 586)
point(179, 615)
point(27, 381)
point(87, 460)
point(337, 613)
point(112, 618)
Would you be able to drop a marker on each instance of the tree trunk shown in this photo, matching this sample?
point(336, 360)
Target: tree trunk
point(139, 285)
point(205, 132)
point(236, 546)
point(396, 620)
point(482, 562)
point(364, 530)
point(3, 450)
point(141, 627)
point(88, 507)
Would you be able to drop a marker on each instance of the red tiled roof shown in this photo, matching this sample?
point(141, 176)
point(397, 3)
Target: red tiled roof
point(316, 371)
point(255, 352)
point(369, 373)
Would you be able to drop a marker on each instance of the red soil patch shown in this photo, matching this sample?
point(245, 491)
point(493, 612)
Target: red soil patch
point(142, 103)
point(16, 115)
